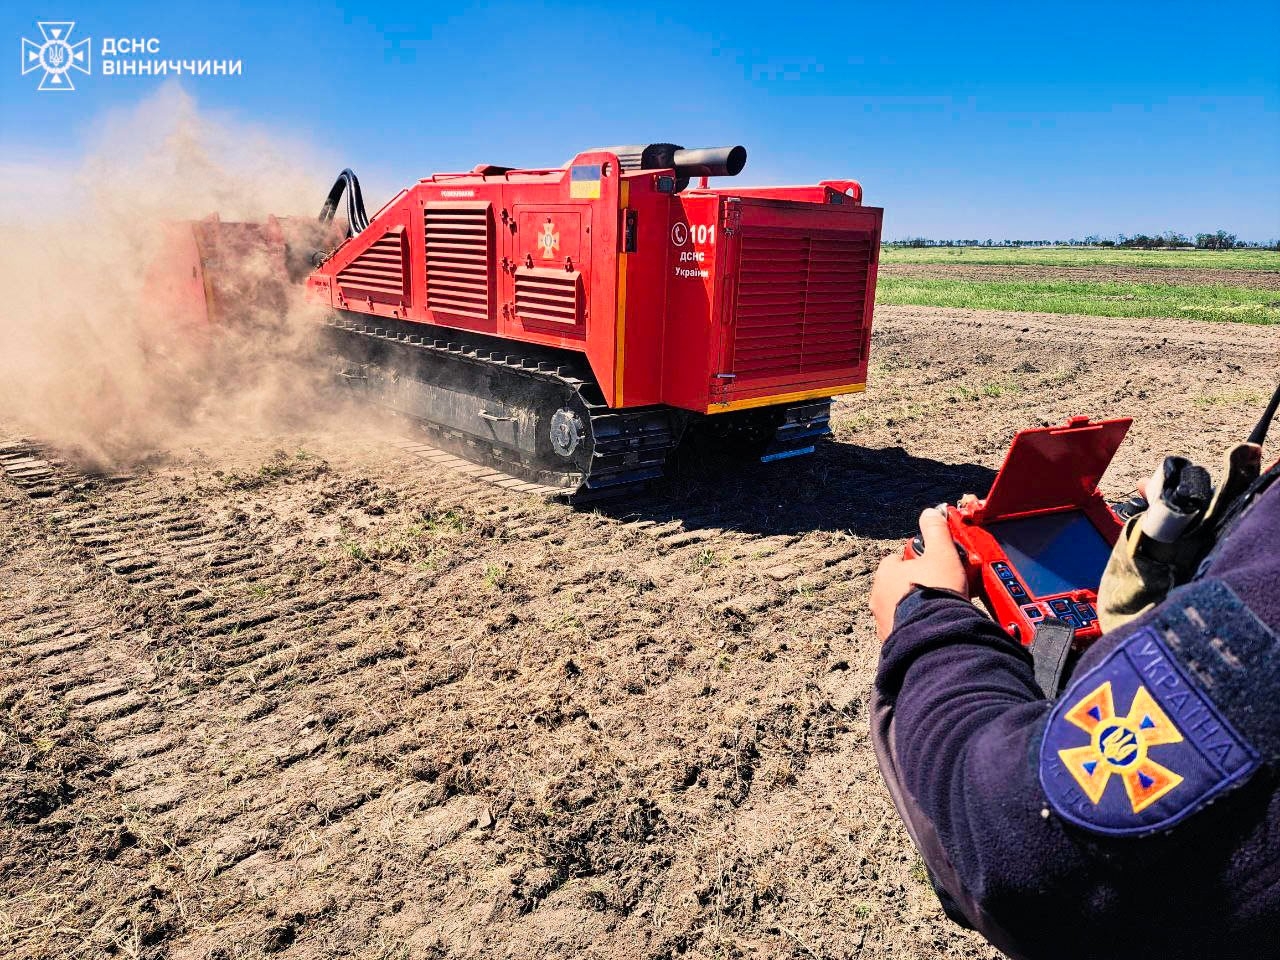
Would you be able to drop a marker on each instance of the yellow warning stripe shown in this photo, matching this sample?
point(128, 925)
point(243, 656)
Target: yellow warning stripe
point(778, 398)
point(620, 330)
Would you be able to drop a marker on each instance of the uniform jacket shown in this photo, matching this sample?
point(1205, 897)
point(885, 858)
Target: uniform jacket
point(991, 777)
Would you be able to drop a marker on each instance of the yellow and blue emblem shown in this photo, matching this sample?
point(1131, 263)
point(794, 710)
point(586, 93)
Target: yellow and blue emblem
point(1121, 747)
point(1136, 744)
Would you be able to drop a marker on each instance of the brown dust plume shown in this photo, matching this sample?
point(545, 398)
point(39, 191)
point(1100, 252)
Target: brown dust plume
point(98, 355)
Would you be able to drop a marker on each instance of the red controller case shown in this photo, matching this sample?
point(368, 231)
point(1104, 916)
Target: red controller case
point(1048, 470)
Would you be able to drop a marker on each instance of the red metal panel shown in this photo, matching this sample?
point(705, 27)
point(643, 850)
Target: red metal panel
point(799, 308)
point(381, 272)
point(372, 272)
point(800, 318)
point(601, 314)
point(642, 284)
point(826, 191)
point(550, 253)
point(544, 296)
point(458, 252)
point(773, 272)
point(692, 331)
point(706, 300)
point(552, 235)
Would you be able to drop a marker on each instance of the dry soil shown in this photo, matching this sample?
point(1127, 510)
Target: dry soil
point(316, 696)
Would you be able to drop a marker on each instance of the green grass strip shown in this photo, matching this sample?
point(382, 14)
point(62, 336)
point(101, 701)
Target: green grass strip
point(1220, 303)
point(1091, 257)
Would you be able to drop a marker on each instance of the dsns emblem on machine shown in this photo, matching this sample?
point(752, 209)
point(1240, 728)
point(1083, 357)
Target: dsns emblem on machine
point(549, 241)
point(1136, 745)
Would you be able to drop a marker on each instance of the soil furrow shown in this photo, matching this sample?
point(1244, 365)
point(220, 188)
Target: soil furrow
point(339, 695)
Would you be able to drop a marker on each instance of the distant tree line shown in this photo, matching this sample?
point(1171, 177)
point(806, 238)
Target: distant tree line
point(1169, 240)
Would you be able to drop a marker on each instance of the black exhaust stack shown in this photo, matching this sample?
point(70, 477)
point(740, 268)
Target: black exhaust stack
point(710, 161)
point(699, 162)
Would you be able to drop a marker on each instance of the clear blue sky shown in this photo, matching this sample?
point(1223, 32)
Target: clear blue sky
point(973, 120)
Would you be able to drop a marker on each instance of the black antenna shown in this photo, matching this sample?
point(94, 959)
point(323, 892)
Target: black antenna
point(1260, 431)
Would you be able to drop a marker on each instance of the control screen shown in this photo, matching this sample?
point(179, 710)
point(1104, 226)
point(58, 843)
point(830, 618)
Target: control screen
point(1054, 553)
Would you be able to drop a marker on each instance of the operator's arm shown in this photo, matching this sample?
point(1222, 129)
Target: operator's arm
point(956, 712)
point(958, 724)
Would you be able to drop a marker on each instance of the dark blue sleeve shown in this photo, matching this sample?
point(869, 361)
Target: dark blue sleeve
point(957, 726)
point(960, 717)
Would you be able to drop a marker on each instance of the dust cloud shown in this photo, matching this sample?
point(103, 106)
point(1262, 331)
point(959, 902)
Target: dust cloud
point(103, 349)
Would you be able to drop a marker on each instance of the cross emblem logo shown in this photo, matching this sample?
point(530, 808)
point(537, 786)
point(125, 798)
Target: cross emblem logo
point(57, 56)
point(549, 241)
point(1120, 746)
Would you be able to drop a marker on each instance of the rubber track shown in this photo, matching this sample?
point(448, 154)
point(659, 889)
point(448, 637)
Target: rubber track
point(630, 447)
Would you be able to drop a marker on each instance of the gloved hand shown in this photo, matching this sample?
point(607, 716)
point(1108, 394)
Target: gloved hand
point(939, 567)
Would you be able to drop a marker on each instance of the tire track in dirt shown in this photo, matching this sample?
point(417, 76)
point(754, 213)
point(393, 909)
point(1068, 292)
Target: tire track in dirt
point(601, 536)
point(234, 832)
point(152, 527)
point(153, 545)
point(393, 711)
point(161, 801)
point(74, 672)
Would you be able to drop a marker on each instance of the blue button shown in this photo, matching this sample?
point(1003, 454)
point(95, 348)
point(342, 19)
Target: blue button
point(1060, 605)
point(1072, 619)
point(1033, 613)
point(1015, 588)
point(1086, 612)
point(1003, 572)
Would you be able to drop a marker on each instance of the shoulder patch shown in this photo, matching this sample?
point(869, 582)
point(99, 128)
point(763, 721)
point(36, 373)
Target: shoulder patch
point(1137, 744)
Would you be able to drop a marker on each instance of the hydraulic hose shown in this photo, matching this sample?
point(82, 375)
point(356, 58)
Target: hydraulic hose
point(357, 219)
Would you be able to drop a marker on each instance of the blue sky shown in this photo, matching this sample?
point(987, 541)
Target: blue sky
point(969, 120)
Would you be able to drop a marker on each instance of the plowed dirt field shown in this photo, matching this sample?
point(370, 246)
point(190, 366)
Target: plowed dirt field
point(320, 696)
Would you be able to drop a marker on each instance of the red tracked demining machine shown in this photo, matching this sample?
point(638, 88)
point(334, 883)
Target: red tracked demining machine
point(565, 326)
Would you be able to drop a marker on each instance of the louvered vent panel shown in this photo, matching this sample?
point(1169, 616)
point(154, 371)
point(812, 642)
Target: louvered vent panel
point(801, 301)
point(379, 272)
point(548, 296)
point(459, 253)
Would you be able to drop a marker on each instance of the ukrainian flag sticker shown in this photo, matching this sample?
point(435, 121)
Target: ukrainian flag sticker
point(584, 182)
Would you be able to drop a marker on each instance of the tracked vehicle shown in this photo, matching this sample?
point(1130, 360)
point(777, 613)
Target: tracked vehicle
point(568, 326)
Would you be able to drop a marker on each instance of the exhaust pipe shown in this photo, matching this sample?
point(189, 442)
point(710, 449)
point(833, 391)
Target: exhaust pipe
point(710, 161)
